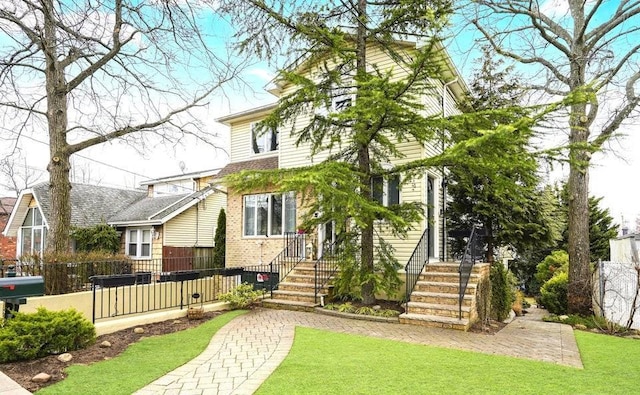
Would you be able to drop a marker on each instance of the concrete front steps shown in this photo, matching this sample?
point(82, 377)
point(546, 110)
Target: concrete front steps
point(434, 300)
point(297, 290)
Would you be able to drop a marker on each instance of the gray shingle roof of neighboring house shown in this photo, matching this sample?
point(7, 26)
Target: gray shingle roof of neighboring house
point(90, 204)
point(159, 207)
point(255, 164)
point(143, 210)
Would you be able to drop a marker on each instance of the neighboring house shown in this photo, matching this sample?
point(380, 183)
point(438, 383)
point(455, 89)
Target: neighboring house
point(256, 222)
point(7, 244)
point(616, 282)
point(175, 217)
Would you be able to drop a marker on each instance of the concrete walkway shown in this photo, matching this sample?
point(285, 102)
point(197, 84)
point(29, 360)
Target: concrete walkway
point(246, 351)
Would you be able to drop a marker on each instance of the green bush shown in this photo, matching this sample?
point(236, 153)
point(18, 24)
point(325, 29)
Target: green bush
point(556, 262)
point(35, 335)
point(242, 297)
point(553, 294)
point(101, 237)
point(220, 241)
point(502, 292)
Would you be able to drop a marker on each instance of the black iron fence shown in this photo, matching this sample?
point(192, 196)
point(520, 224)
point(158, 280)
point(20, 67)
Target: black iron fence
point(140, 292)
point(419, 258)
point(69, 277)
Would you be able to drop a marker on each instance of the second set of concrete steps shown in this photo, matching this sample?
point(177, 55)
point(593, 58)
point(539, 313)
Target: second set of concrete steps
point(297, 290)
point(434, 300)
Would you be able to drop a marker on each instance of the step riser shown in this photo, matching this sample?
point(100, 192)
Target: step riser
point(298, 279)
point(452, 301)
point(447, 268)
point(438, 288)
point(445, 277)
point(295, 298)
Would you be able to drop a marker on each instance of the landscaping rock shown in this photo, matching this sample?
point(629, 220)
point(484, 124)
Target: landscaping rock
point(66, 357)
point(563, 317)
point(41, 378)
point(377, 307)
point(138, 330)
point(105, 344)
point(580, 327)
point(177, 322)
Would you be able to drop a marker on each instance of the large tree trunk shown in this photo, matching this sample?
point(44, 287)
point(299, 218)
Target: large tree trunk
point(364, 164)
point(579, 287)
point(60, 215)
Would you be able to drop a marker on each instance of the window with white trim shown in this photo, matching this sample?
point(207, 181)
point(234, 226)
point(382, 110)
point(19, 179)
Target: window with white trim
point(33, 233)
point(263, 141)
point(386, 190)
point(139, 243)
point(269, 214)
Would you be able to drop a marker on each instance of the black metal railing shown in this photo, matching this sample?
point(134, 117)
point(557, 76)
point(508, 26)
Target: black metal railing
point(466, 266)
point(419, 258)
point(69, 277)
point(327, 265)
point(267, 277)
point(141, 292)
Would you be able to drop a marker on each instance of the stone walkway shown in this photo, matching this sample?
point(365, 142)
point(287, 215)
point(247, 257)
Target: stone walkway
point(247, 350)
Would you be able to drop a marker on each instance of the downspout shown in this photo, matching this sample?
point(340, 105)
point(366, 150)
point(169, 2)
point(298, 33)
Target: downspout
point(444, 181)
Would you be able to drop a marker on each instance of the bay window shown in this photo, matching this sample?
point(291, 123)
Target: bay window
point(269, 214)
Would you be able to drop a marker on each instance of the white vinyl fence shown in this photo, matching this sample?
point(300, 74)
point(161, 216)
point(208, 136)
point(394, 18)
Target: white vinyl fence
point(617, 291)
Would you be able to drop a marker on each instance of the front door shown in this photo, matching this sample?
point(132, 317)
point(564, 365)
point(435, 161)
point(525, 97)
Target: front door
point(326, 237)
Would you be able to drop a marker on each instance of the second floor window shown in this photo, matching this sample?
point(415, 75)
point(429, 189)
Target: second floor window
point(386, 190)
point(262, 141)
point(269, 214)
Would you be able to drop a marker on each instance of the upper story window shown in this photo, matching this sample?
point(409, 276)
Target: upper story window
point(33, 233)
point(139, 243)
point(263, 141)
point(269, 214)
point(386, 190)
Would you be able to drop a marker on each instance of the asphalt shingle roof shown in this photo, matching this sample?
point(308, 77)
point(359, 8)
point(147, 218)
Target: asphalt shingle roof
point(255, 164)
point(143, 209)
point(90, 204)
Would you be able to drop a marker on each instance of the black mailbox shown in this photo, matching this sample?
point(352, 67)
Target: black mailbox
point(14, 291)
point(116, 280)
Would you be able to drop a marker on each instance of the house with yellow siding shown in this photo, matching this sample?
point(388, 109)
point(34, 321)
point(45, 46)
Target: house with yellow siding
point(276, 149)
point(174, 219)
point(263, 226)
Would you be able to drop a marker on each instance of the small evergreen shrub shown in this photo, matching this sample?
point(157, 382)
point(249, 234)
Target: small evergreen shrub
point(502, 292)
point(556, 262)
point(220, 240)
point(553, 294)
point(35, 335)
point(242, 297)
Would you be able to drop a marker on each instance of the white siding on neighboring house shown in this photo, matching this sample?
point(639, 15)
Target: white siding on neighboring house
point(196, 226)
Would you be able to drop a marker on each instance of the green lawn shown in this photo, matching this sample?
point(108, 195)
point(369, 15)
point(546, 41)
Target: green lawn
point(141, 363)
point(324, 362)
point(331, 363)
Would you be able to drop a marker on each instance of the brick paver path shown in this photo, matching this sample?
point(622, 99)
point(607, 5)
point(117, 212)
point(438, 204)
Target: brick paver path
point(246, 351)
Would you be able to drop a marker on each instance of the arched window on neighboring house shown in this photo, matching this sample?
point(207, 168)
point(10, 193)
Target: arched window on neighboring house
point(32, 233)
